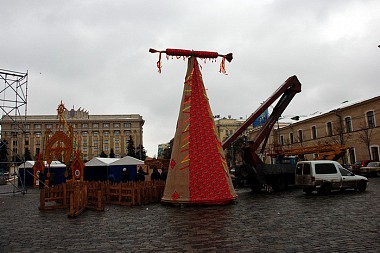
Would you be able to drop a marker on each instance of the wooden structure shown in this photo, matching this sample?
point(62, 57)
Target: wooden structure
point(38, 170)
point(60, 145)
point(79, 195)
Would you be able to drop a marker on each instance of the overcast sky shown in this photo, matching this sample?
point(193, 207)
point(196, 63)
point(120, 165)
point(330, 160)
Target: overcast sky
point(94, 54)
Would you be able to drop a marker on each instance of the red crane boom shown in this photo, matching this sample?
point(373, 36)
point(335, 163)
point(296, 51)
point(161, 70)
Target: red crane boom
point(287, 91)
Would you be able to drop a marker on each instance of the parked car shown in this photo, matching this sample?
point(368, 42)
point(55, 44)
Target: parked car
point(372, 169)
point(358, 164)
point(325, 175)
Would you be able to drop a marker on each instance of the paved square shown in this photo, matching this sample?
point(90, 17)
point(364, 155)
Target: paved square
point(288, 221)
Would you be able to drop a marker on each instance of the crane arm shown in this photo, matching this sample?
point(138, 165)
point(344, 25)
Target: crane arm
point(287, 91)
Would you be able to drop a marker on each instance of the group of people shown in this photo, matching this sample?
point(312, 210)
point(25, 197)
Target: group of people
point(140, 176)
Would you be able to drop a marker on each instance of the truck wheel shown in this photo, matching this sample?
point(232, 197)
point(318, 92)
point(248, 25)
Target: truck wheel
point(308, 191)
point(325, 189)
point(279, 184)
point(362, 185)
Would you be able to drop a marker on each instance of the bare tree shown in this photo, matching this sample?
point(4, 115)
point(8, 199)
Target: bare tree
point(365, 135)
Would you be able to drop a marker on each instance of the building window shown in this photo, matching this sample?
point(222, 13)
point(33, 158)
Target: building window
point(375, 153)
point(37, 151)
point(95, 142)
point(27, 126)
point(95, 125)
point(49, 126)
point(117, 133)
point(106, 125)
point(15, 143)
point(117, 141)
point(347, 121)
point(26, 142)
point(300, 135)
point(116, 125)
point(27, 134)
point(95, 149)
point(329, 129)
point(314, 132)
point(37, 126)
point(106, 148)
point(106, 134)
point(105, 141)
point(96, 134)
point(117, 149)
point(127, 125)
point(85, 134)
point(38, 142)
point(85, 149)
point(127, 133)
point(38, 134)
point(84, 125)
point(282, 140)
point(352, 155)
point(291, 137)
point(371, 119)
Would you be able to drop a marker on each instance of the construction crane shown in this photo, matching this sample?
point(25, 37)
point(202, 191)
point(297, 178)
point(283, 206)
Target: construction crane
point(253, 169)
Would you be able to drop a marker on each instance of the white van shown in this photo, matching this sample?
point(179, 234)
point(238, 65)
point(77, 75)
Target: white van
point(324, 176)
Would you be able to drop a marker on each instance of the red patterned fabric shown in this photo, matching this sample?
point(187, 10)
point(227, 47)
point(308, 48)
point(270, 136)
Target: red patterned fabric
point(208, 167)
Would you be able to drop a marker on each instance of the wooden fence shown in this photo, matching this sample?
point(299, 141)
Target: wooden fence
point(79, 196)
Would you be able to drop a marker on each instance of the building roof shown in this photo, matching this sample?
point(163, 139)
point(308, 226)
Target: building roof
point(342, 105)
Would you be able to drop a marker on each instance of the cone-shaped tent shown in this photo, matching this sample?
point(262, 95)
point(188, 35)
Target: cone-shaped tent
point(198, 172)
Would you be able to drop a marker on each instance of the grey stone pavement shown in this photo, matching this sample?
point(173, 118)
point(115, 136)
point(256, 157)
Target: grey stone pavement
point(289, 221)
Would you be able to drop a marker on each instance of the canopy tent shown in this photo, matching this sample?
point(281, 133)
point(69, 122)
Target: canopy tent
point(98, 169)
point(128, 162)
point(57, 172)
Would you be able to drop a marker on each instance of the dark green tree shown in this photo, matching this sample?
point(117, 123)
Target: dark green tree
point(131, 147)
point(28, 155)
point(103, 155)
point(4, 165)
point(16, 159)
point(112, 153)
point(141, 153)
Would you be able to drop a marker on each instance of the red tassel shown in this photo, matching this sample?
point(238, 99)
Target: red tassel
point(222, 68)
point(159, 63)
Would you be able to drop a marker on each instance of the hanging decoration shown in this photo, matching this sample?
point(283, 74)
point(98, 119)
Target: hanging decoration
point(178, 53)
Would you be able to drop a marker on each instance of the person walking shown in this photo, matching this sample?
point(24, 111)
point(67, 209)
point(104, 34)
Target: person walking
point(140, 175)
point(125, 175)
point(155, 175)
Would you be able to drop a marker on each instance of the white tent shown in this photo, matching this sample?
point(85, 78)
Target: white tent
point(30, 164)
point(100, 161)
point(127, 160)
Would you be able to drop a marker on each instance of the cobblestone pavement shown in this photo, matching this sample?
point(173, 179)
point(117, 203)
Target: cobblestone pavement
point(289, 221)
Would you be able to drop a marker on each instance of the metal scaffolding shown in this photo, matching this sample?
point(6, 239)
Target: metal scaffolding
point(13, 104)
